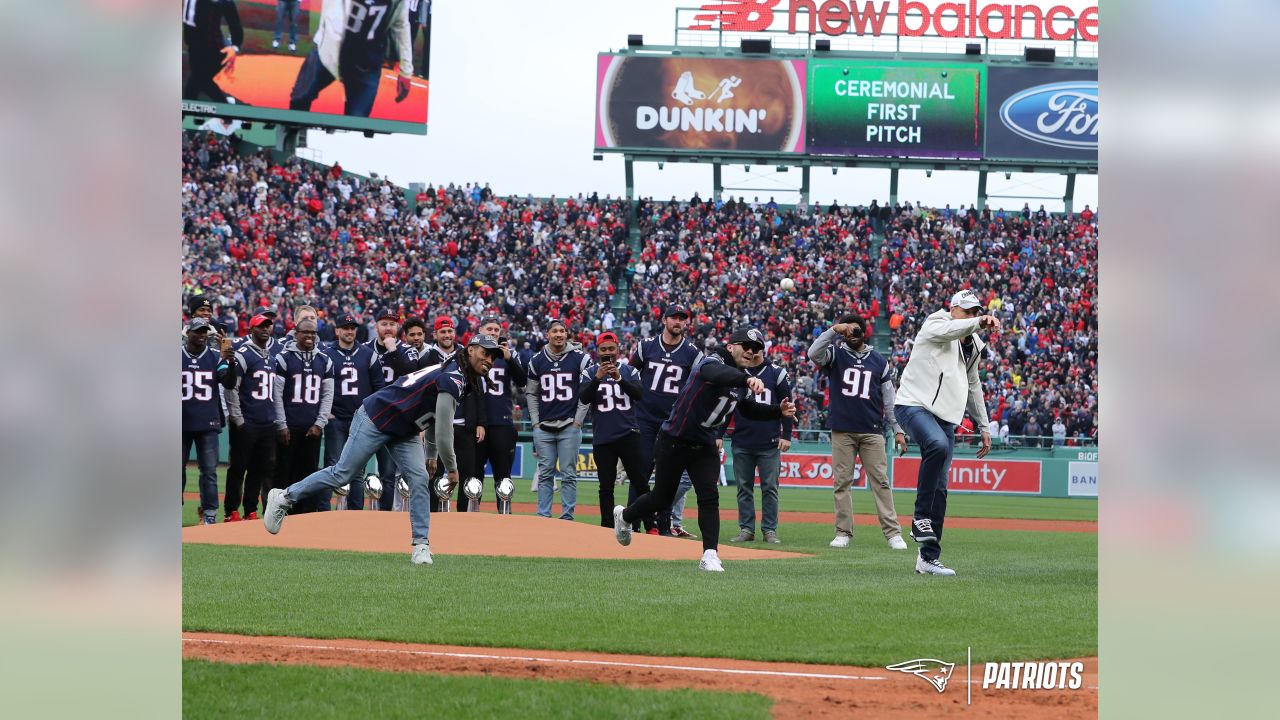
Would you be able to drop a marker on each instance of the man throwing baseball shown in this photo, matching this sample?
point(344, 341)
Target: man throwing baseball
point(939, 384)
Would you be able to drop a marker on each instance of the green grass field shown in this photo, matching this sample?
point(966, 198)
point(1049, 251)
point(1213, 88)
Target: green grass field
point(313, 693)
point(1022, 595)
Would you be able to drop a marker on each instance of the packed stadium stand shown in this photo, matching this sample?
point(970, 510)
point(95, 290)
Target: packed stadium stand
point(263, 232)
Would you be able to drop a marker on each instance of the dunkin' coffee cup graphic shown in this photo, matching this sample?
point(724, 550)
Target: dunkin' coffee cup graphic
point(700, 103)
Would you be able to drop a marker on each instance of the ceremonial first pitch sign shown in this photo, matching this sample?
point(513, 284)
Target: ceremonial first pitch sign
point(972, 475)
point(898, 109)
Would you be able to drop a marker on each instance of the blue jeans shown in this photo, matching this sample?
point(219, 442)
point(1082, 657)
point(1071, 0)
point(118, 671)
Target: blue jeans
point(336, 432)
point(287, 10)
point(365, 440)
point(551, 446)
point(745, 462)
point(361, 87)
point(937, 440)
point(206, 442)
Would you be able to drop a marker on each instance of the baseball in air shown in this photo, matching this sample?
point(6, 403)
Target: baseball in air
point(788, 284)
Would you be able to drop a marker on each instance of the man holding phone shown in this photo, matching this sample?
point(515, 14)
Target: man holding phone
point(498, 448)
point(611, 389)
point(861, 385)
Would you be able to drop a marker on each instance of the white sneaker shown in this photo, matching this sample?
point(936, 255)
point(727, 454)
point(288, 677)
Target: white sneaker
point(422, 554)
point(275, 43)
point(277, 508)
point(840, 541)
point(710, 562)
point(932, 567)
point(293, 47)
point(897, 543)
point(621, 528)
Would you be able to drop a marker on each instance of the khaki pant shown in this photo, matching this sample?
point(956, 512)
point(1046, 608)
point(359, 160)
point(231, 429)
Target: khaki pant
point(875, 463)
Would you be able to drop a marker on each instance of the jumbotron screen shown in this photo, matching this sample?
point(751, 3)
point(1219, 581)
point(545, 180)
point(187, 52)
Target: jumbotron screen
point(351, 65)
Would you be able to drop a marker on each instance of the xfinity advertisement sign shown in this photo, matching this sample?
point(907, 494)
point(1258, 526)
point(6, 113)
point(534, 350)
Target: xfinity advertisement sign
point(1042, 114)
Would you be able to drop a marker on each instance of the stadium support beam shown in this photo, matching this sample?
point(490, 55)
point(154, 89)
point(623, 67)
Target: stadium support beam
point(1068, 199)
point(717, 182)
point(982, 190)
point(629, 170)
point(287, 139)
point(893, 187)
point(804, 184)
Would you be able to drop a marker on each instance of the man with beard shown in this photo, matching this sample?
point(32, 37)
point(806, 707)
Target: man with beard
point(395, 359)
point(665, 363)
point(499, 445)
point(415, 335)
point(253, 417)
point(554, 376)
point(422, 401)
point(355, 369)
point(610, 388)
point(686, 441)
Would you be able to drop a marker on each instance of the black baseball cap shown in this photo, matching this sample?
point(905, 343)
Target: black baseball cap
point(486, 342)
point(676, 309)
point(388, 313)
point(346, 319)
point(747, 336)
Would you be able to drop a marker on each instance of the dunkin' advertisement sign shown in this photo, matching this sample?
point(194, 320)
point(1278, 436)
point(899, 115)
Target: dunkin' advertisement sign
point(700, 104)
point(973, 475)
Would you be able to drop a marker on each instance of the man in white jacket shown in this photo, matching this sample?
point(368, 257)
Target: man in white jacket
point(350, 45)
point(938, 385)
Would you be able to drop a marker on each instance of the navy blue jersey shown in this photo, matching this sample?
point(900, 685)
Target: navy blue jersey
point(365, 42)
point(702, 408)
point(201, 401)
point(663, 373)
point(503, 377)
point(253, 386)
point(303, 395)
point(557, 383)
point(407, 406)
point(855, 381)
point(354, 374)
point(762, 434)
point(386, 362)
point(612, 414)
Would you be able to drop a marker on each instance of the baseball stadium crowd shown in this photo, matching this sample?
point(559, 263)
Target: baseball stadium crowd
point(259, 233)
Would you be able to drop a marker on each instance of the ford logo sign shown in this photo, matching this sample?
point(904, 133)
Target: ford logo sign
point(1060, 114)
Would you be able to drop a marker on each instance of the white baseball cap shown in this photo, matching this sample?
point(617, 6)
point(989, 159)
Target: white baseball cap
point(966, 299)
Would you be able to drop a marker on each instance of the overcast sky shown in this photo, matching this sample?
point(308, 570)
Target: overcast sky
point(512, 102)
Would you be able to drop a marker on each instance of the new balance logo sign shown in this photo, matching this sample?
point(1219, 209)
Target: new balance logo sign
point(935, 672)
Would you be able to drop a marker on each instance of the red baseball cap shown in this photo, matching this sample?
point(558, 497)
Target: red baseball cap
point(606, 337)
point(259, 319)
point(443, 321)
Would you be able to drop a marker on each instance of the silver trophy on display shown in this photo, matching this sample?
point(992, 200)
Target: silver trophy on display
point(400, 503)
point(373, 490)
point(506, 489)
point(444, 493)
point(342, 496)
point(473, 488)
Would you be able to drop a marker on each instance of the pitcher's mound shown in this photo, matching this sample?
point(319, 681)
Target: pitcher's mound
point(462, 534)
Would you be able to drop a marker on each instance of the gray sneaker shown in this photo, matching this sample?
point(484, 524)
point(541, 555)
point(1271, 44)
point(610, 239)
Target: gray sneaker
point(771, 537)
point(277, 507)
point(421, 554)
point(621, 528)
point(744, 535)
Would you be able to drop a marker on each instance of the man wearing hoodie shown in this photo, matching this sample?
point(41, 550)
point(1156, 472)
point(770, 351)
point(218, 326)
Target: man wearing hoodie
point(303, 397)
point(687, 439)
point(939, 384)
point(555, 376)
